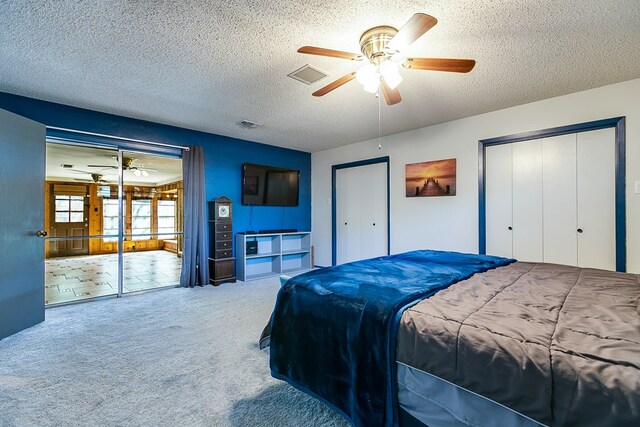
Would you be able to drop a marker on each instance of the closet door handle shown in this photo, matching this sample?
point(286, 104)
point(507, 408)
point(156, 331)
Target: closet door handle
point(580, 230)
point(509, 228)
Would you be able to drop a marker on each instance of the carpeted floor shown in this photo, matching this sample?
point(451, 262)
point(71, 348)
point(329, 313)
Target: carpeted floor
point(176, 357)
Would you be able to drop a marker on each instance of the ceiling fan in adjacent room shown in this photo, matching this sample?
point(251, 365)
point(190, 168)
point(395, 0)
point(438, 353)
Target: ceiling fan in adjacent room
point(95, 177)
point(381, 49)
point(127, 165)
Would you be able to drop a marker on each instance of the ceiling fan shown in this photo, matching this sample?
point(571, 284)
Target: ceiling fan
point(95, 177)
point(127, 165)
point(381, 47)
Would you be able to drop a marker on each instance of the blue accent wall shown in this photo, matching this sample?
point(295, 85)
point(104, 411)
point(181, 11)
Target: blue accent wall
point(224, 156)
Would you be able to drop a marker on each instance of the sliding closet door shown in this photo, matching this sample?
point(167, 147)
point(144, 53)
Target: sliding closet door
point(596, 199)
point(498, 161)
point(559, 200)
point(527, 201)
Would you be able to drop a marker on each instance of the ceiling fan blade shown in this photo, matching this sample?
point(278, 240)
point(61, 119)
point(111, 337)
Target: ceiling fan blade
point(392, 96)
point(441, 64)
point(415, 27)
point(312, 50)
point(334, 85)
point(102, 166)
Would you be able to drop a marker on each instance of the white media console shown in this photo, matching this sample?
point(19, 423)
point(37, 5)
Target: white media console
point(278, 253)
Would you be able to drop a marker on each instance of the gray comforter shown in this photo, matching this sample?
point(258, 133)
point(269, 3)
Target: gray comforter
point(559, 344)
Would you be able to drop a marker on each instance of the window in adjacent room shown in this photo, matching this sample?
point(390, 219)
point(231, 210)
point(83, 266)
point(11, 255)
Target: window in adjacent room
point(69, 209)
point(166, 218)
point(110, 219)
point(141, 218)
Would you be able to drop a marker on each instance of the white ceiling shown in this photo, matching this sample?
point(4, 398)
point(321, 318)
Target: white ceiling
point(206, 65)
point(166, 170)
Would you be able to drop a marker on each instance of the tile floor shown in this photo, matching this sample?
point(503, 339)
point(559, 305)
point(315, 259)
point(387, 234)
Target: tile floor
point(81, 277)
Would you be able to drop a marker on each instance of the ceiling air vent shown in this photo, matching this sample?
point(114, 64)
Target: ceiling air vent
point(307, 74)
point(248, 124)
point(66, 166)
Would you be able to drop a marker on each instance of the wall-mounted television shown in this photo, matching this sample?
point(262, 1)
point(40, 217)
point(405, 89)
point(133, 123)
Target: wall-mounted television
point(269, 186)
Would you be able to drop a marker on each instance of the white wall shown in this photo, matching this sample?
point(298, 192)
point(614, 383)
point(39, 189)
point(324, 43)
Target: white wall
point(451, 223)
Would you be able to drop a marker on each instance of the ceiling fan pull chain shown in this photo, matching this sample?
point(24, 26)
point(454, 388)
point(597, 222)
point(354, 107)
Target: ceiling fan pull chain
point(379, 120)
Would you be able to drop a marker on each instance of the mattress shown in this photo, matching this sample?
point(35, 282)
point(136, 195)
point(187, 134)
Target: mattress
point(544, 343)
point(425, 399)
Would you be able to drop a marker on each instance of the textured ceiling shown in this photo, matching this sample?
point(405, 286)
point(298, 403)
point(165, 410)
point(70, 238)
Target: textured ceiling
point(206, 65)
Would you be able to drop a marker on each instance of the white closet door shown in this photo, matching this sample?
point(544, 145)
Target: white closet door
point(361, 201)
point(498, 200)
point(527, 201)
point(596, 199)
point(374, 211)
point(559, 200)
point(346, 214)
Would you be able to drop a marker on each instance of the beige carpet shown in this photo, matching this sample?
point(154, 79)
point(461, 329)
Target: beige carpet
point(175, 357)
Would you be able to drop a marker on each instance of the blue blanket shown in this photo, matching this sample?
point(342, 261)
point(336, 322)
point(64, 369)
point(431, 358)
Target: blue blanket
point(333, 331)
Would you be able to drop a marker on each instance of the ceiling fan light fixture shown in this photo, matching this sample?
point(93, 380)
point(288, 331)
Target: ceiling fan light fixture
point(397, 57)
point(372, 85)
point(393, 80)
point(369, 77)
point(366, 73)
point(390, 74)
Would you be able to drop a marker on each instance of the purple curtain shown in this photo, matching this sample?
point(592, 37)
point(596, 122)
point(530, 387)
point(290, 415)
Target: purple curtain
point(195, 266)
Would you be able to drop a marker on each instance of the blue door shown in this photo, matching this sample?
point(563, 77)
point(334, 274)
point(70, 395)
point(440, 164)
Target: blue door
point(22, 148)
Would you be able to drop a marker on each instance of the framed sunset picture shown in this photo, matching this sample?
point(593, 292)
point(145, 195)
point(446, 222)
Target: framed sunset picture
point(431, 179)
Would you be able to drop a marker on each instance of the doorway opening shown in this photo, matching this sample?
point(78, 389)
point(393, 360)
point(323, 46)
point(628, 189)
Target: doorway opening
point(114, 222)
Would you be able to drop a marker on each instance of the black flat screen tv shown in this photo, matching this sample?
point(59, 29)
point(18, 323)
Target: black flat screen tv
point(269, 186)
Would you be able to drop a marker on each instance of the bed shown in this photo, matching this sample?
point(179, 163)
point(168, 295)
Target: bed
point(462, 340)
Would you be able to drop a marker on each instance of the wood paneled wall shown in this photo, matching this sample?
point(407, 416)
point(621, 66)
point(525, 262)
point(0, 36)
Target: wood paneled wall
point(97, 245)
